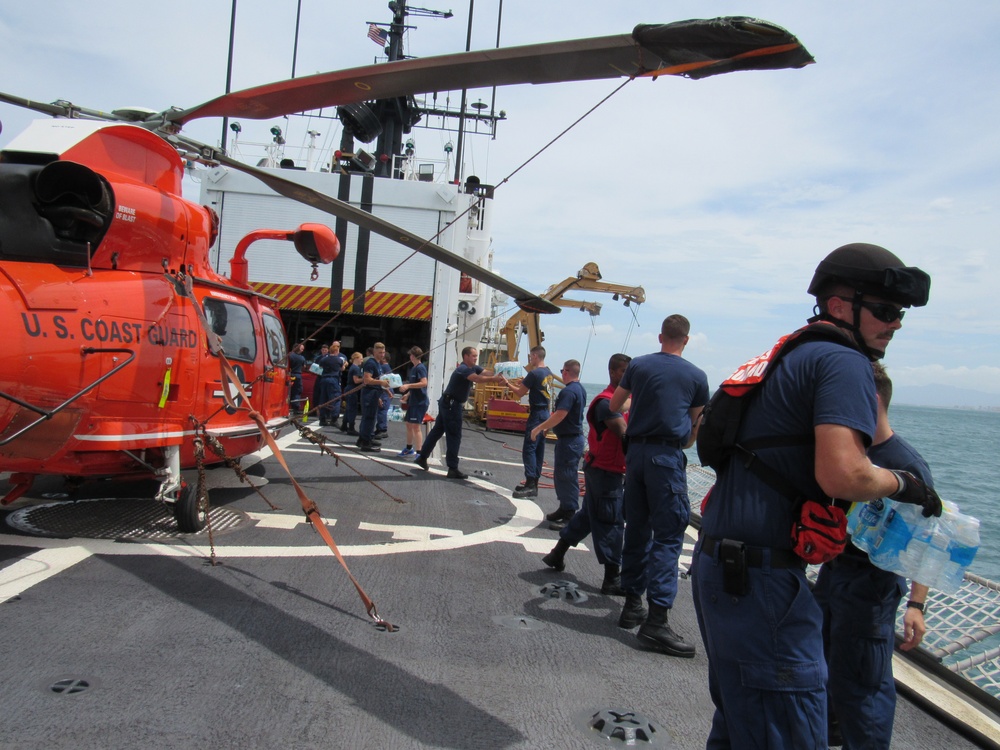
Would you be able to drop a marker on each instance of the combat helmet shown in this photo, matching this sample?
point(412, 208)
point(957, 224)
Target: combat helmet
point(873, 270)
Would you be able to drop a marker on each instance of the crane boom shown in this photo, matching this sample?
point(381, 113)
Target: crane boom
point(588, 278)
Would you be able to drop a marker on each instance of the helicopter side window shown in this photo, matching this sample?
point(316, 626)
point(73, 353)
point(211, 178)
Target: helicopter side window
point(274, 334)
point(234, 326)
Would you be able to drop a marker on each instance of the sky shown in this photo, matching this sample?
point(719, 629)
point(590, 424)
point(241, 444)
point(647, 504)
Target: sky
point(718, 196)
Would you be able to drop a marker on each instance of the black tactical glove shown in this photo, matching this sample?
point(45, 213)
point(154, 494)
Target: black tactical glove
point(912, 490)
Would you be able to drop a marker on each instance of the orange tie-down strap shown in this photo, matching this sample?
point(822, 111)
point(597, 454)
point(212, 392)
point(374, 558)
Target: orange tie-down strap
point(308, 506)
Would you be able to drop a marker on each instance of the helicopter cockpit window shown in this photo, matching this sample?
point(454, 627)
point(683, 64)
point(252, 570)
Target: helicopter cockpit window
point(274, 335)
point(234, 326)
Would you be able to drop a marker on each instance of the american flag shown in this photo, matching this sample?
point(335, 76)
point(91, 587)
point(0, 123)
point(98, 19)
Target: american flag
point(377, 35)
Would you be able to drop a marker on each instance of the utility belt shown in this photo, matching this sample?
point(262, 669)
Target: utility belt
point(754, 556)
point(737, 558)
point(656, 440)
point(448, 400)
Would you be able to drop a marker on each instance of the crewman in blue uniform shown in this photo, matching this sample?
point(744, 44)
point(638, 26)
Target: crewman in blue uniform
point(759, 621)
point(450, 408)
point(604, 479)
point(352, 401)
point(567, 423)
point(328, 384)
point(668, 394)
point(414, 390)
point(859, 603)
point(371, 393)
point(538, 385)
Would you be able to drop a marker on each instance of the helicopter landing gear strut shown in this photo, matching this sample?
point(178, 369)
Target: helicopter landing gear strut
point(189, 512)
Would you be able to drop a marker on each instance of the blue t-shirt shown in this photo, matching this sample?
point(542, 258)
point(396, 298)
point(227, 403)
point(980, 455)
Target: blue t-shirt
point(332, 364)
point(539, 384)
point(373, 368)
point(417, 396)
point(295, 363)
point(664, 389)
point(817, 383)
point(573, 399)
point(459, 385)
point(602, 412)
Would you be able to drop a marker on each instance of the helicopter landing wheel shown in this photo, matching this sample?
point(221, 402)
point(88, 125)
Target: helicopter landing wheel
point(188, 513)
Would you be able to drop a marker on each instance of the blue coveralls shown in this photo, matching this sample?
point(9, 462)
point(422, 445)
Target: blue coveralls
point(538, 382)
point(370, 395)
point(657, 512)
point(859, 603)
point(327, 391)
point(570, 443)
point(604, 474)
point(416, 401)
point(767, 674)
point(664, 388)
point(600, 515)
point(449, 418)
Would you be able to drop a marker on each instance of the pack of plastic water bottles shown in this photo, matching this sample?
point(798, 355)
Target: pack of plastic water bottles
point(393, 379)
point(510, 370)
point(933, 551)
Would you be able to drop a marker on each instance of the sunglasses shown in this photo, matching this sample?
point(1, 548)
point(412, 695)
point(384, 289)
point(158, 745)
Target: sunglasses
point(882, 311)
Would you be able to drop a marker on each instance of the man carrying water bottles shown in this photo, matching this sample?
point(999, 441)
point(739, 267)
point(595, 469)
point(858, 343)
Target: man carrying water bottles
point(810, 423)
point(859, 603)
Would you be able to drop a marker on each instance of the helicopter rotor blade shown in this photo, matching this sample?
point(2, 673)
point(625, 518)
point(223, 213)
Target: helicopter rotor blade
point(59, 109)
point(695, 49)
point(524, 299)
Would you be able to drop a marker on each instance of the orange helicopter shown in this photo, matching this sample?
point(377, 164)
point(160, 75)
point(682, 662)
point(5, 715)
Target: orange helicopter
point(117, 324)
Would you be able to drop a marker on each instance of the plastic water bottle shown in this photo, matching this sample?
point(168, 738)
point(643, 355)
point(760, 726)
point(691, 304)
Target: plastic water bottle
point(894, 535)
point(962, 549)
point(864, 523)
point(933, 562)
point(965, 540)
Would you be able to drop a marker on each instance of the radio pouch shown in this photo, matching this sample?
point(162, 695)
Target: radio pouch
point(819, 532)
point(735, 577)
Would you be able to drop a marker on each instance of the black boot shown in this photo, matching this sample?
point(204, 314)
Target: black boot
point(527, 488)
point(612, 584)
point(633, 612)
point(555, 558)
point(657, 635)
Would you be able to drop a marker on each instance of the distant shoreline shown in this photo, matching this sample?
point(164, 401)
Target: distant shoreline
point(956, 407)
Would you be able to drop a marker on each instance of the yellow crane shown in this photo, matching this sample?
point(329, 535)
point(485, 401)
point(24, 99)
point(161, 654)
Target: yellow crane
point(493, 404)
point(587, 278)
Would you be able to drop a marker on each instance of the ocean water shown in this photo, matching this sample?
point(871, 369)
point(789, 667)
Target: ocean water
point(962, 447)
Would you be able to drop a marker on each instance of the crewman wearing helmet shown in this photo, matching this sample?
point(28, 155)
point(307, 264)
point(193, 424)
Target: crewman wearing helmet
point(816, 412)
